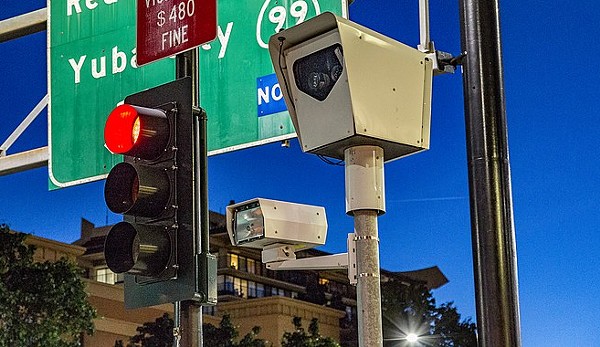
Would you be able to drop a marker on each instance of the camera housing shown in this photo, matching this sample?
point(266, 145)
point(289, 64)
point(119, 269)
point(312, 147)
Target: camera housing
point(346, 85)
point(259, 223)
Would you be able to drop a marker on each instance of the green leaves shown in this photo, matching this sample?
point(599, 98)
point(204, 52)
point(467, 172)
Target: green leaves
point(41, 303)
point(299, 337)
point(154, 334)
point(226, 333)
point(160, 334)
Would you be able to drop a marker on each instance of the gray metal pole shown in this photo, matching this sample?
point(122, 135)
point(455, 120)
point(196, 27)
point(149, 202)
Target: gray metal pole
point(368, 289)
point(191, 313)
point(176, 323)
point(493, 235)
point(365, 200)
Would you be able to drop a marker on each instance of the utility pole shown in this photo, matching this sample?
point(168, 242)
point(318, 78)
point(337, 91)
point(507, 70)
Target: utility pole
point(188, 313)
point(365, 200)
point(493, 235)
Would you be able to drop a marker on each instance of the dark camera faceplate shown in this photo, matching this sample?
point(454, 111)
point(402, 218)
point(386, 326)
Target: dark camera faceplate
point(317, 73)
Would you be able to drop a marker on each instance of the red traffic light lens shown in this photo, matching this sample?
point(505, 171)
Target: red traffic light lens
point(137, 131)
point(122, 129)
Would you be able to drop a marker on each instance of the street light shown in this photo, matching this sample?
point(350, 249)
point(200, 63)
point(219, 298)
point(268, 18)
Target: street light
point(412, 337)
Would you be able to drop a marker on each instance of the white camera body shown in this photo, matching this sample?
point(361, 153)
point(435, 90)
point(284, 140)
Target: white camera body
point(346, 85)
point(259, 223)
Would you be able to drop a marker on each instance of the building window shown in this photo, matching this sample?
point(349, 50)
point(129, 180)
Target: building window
point(260, 290)
point(251, 266)
point(241, 287)
point(209, 310)
point(231, 285)
point(225, 285)
point(104, 275)
point(252, 289)
point(277, 291)
point(233, 261)
point(242, 263)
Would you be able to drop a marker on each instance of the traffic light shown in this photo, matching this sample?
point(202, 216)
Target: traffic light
point(156, 245)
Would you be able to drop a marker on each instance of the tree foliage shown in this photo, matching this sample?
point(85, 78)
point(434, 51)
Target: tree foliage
point(412, 309)
point(41, 303)
point(300, 338)
point(226, 334)
point(160, 334)
point(451, 330)
point(152, 334)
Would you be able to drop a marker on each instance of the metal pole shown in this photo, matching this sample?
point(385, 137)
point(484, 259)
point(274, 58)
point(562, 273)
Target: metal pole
point(368, 290)
point(493, 235)
point(25, 24)
point(191, 314)
point(425, 44)
point(24, 125)
point(365, 200)
point(201, 182)
point(23, 161)
point(176, 323)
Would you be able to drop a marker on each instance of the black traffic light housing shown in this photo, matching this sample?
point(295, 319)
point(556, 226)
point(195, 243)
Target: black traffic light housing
point(157, 244)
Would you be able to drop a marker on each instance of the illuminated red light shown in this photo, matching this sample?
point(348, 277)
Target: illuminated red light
point(122, 129)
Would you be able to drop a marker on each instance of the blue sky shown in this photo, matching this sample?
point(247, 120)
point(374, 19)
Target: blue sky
point(552, 103)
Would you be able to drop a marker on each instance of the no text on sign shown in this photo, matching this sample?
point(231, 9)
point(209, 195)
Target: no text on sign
point(168, 27)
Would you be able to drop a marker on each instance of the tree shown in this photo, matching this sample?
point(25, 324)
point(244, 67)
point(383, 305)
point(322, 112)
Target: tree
point(299, 337)
point(152, 334)
point(412, 309)
point(41, 303)
point(226, 334)
point(160, 334)
point(451, 330)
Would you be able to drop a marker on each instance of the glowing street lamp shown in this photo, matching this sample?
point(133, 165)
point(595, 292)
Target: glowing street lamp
point(412, 337)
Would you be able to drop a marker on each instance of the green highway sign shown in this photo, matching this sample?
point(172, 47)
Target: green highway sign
point(238, 88)
point(92, 66)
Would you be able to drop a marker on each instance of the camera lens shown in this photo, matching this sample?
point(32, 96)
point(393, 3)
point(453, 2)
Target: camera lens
point(318, 81)
point(317, 73)
point(336, 72)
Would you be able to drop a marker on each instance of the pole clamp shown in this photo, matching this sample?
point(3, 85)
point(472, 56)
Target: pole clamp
point(368, 237)
point(367, 274)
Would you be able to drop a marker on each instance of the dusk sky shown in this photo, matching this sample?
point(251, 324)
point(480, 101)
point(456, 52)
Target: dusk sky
point(551, 86)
